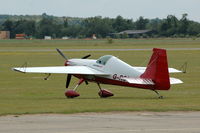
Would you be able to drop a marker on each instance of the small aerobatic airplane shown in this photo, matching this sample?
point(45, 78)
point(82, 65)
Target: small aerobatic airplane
point(109, 69)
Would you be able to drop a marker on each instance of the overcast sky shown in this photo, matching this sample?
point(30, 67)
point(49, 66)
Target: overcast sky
point(106, 8)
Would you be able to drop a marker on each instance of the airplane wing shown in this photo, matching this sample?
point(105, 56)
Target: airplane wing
point(149, 81)
point(171, 70)
point(83, 70)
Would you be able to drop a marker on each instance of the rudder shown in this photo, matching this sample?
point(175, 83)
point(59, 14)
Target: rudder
point(157, 70)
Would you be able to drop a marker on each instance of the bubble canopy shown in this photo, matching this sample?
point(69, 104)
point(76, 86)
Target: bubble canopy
point(104, 59)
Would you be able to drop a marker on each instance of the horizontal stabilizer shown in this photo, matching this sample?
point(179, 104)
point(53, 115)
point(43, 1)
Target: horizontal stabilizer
point(149, 81)
point(82, 70)
point(171, 70)
point(139, 81)
point(175, 81)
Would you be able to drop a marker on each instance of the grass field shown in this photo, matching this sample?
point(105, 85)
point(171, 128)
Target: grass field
point(29, 93)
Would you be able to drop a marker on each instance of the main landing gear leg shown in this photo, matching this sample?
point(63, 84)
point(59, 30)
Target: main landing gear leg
point(73, 93)
point(159, 96)
point(103, 93)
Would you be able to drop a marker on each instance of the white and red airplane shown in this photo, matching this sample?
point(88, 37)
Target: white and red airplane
point(109, 69)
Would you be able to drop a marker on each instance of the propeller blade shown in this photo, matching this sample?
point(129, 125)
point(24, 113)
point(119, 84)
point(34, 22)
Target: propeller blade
point(86, 82)
point(85, 57)
point(69, 76)
point(61, 54)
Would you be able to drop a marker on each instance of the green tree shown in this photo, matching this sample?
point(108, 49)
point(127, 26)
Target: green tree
point(48, 27)
point(121, 24)
point(172, 25)
point(183, 24)
point(73, 31)
point(27, 27)
point(30, 27)
point(169, 26)
point(97, 25)
point(45, 25)
point(141, 23)
point(65, 23)
point(193, 28)
point(153, 24)
point(8, 25)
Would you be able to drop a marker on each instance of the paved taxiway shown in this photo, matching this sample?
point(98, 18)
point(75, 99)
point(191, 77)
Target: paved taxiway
point(113, 122)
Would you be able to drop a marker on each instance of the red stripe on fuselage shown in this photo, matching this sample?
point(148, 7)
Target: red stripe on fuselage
point(102, 80)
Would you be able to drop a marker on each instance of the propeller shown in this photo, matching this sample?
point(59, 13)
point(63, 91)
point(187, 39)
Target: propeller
point(61, 54)
point(69, 76)
point(85, 57)
point(58, 50)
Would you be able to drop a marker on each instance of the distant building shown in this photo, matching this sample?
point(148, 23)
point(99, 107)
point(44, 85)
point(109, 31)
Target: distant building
point(94, 36)
point(47, 37)
point(20, 36)
point(132, 33)
point(65, 38)
point(4, 34)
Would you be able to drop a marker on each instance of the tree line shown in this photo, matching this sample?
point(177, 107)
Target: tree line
point(170, 26)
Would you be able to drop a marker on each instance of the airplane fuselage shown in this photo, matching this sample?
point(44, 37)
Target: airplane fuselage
point(116, 67)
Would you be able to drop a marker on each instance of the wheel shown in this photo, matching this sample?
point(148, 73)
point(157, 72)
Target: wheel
point(71, 94)
point(105, 93)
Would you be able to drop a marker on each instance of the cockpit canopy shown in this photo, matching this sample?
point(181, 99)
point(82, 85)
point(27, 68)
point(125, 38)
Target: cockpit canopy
point(104, 59)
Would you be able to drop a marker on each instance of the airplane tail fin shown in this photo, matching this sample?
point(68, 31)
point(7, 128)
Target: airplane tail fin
point(157, 70)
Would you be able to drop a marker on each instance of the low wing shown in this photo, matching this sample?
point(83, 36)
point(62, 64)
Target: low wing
point(83, 70)
point(171, 70)
point(149, 81)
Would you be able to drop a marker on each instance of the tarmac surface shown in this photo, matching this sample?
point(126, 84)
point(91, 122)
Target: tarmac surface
point(112, 122)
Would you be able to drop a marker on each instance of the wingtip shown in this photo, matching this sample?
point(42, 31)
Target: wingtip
point(17, 70)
